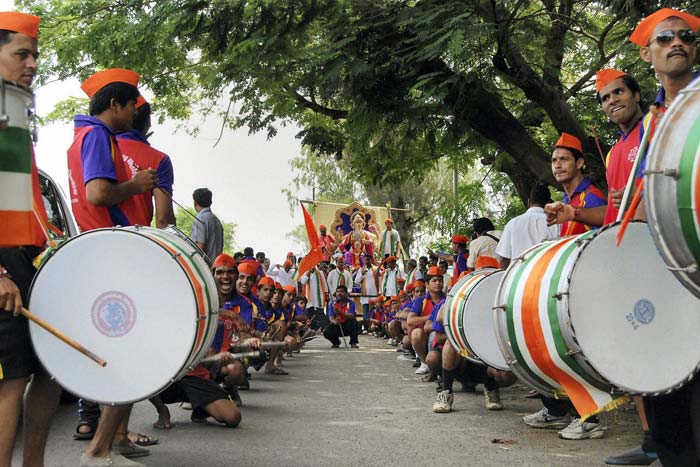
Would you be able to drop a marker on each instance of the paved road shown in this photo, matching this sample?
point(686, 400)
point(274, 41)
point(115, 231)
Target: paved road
point(357, 407)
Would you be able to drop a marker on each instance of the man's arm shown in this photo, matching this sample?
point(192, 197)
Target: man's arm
point(558, 213)
point(103, 192)
point(165, 215)
point(416, 320)
point(10, 298)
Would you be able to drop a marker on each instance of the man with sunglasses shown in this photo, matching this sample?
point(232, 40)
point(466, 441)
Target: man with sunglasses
point(667, 41)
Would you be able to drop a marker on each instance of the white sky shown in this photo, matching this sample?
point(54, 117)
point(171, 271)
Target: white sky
point(245, 173)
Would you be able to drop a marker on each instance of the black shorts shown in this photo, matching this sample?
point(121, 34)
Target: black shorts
point(197, 391)
point(17, 358)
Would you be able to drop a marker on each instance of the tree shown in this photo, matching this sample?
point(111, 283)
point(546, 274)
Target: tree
point(184, 220)
point(391, 86)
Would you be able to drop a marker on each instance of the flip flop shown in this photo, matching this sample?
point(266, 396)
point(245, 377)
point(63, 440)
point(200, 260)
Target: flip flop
point(78, 435)
point(130, 450)
point(142, 440)
point(276, 371)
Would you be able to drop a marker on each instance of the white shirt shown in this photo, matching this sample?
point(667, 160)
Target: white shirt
point(483, 245)
point(283, 277)
point(446, 279)
point(524, 231)
point(368, 283)
point(334, 280)
point(388, 284)
point(315, 288)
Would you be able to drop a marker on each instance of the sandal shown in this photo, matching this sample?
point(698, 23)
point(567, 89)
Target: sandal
point(78, 435)
point(130, 450)
point(141, 439)
point(276, 371)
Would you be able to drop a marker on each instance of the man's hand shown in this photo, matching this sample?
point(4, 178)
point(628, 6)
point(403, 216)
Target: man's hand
point(10, 298)
point(333, 320)
point(145, 180)
point(253, 343)
point(616, 196)
point(558, 213)
point(224, 358)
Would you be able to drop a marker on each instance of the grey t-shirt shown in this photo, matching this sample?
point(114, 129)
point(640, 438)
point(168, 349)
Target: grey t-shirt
point(210, 232)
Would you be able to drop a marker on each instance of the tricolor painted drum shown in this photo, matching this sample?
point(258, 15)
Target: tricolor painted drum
point(672, 187)
point(468, 318)
point(141, 298)
point(583, 317)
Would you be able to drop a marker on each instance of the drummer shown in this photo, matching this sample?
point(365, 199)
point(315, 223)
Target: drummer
point(103, 195)
point(18, 54)
point(667, 40)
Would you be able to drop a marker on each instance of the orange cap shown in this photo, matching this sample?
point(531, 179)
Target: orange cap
point(569, 142)
point(642, 33)
point(389, 259)
point(278, 285)
point(113, 75)
point(224, 260)
point(410, 287)
point(266, 281)
point(418, 282)
point(606, 76)
point(22, 23)
point(287, 264)
point(434, 271)
point(140, 101)
point(322, 226)
point(381, 298)
point(487, 262)
point(388, 221)
point(460, 239)
point(248, 267)
point(291, 289)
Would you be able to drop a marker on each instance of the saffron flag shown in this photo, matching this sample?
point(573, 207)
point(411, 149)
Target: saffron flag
point(315, 255)
point(23, 219)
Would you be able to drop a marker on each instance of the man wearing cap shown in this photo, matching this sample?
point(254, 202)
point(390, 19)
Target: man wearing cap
point(138, 154)
point(207, 231)
point(328, 244)
point(667, 40)
point(388, 282)
point(342, 316)
point(339, 276)
point(529, 228)
point(315, 289)
point(459, 256)
point(579, 192)
point(367, 278)
point(419, 314)
point(283, 273)
point(103, 195)
point(18, 54)
point(390, 242)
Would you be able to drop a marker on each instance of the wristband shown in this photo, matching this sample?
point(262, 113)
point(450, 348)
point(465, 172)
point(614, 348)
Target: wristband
point(4, 273)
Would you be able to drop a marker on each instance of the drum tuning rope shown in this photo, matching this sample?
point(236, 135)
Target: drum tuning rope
point(669, 172)
point(693, 268)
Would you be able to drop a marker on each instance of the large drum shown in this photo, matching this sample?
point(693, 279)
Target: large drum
point(672, 187)
point(469, 320)
point(141, 298)
point(581, 313)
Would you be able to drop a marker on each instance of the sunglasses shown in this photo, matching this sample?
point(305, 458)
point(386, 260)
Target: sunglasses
point(664, 38)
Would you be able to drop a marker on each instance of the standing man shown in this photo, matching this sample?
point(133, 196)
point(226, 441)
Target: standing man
point(343, 322)
point(459, 256)
point(328, 244)
point(667, 40)
point(528, 229)
point(485, 243)
point(103, 195)
point(391, 241)
point(284, 273)
point(339, 276)
point(367, 277)
point(207, 231)
point(316, 291)
point(446, 277)
point(389, 283)
point(138, 154)
point(18, 54)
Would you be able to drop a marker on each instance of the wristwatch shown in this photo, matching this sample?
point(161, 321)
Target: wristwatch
point(4, 273)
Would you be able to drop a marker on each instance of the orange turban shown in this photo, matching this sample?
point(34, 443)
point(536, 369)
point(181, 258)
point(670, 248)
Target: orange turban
point(410, 287)
point(224, 260)
point(486, 262)
point(434, 271)
point(642, 33)
point(460, 239)
point(113, 75)
point(569, 142)
point(22, 23)
point(266, 281)
point(606, 76)
point(249, 268)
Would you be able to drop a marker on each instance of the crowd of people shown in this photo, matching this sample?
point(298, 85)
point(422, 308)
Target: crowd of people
point(270, 309)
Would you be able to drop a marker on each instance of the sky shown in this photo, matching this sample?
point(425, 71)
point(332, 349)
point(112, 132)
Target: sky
point(246, 173)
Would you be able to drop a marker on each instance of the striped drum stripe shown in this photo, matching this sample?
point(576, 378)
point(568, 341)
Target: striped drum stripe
point(454, 310)
point(688, 193)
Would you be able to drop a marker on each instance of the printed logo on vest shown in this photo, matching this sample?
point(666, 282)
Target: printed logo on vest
point(114, 314)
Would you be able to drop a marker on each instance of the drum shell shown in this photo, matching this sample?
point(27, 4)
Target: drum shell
point(468, 316)
point(171, 307)
point(18, 100)
point(671, 184)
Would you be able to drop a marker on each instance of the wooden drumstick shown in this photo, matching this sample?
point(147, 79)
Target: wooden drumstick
point(47, 327)
point(264, 345)
point(235, 356)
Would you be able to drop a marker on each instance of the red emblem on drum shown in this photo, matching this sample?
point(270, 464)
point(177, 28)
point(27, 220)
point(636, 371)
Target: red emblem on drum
point(114, 314)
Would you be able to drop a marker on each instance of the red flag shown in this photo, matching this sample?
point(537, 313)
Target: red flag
point(315, 255)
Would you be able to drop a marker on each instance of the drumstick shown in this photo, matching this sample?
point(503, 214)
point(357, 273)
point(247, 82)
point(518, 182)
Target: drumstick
point(265, 345)
point(235, 356)
point(635, 168)
point(47, 327)
point(630, 213)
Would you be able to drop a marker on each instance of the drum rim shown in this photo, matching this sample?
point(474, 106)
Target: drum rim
point(33, 328)
point(478, 276)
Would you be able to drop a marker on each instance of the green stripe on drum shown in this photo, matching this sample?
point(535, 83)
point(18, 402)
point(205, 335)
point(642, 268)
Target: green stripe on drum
point(510, 304)
point(552, 311)
point(15, 147)
point(687, 191)
point(466, 292)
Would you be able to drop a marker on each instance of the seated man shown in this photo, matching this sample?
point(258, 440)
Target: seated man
point(343, 322)
point(419, 314)
point(436, 340)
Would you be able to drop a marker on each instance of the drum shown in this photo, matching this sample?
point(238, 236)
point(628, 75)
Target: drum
point(469, 320)
point(139, 297)
point(672, 187)
point(580, 313)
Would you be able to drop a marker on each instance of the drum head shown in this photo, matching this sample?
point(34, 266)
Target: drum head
point(124, 297)
point(635, 323)
point(479, 325)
